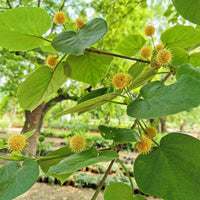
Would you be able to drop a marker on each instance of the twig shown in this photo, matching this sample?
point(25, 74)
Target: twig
point(132, 9)
point(116, 55)
point(103, 180)
point(39, 1)
point(134, 124)
point(61, 7)
point(129, 177)
point(166, 78)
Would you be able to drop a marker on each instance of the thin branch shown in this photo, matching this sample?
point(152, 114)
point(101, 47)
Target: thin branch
point(116, 55)
point(132, 9)
point(134, 124)
point(166, 78)
point(103, 180)
point(62, 6)
point(39, 1)
point(8, 2)
point(129, 177)
point(60, 9)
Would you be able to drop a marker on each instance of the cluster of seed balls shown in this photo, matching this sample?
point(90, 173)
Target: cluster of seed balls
point(163, 56)
point(144, 145)
point(60, 19)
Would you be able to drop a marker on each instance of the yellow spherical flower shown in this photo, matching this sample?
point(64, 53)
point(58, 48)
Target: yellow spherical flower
point(59, 18)
point(164, 56)
point(150, 132)
point(144, 145)
point(147, 68)
point(51, 61)
point(121, 80)
point(77, 143)
point(158, 47)
point(79, 23)
point(16, 142)
point(149, 30)
point(146, 52)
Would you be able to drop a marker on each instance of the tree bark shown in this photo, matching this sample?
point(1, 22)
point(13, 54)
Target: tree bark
point(32, 122)
point(34, 119)
point(162, 124)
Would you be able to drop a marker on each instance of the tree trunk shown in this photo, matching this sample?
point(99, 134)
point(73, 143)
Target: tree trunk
point(34, 120)
point(162, 124)
point(31, 123)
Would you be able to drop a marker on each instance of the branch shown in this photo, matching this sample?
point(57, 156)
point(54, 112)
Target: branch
point(132, 9)
point(39, 1)
point(102, 181)
point(61, 7)
point(166, 78)
point(116, 55)
point(57, 99)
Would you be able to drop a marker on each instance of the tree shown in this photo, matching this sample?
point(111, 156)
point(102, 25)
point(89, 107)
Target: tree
point(169, 161)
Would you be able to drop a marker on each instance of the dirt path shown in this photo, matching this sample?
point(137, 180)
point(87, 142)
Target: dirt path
point(43, 191)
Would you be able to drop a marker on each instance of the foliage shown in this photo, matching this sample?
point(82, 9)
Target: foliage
point(174, 160)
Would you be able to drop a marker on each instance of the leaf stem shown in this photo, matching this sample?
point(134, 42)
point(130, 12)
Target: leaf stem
point(5, 158)
point(116, 55)
point(129, 177)
point(30, 153)
point(102, 181)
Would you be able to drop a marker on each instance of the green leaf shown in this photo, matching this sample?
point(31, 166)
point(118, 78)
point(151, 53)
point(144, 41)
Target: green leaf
point(142, 78)
point(181, 36)
point(194, 59)
point(119, 135)
point(95, 93)
point(118, 191)
point(29, 134)
point(73, 43)
point(20, 28)
point(39, 85)
point(139, 197)
point(172, 170)
point(82, 159)
point(90, 104)
point(16, 179)
point(46, 47)
point(89, 68)
point(53, 159)
point(179, 56)
point(136, 69)
point(188, 9)
point(160, 100)
point(130, 45)
point(188, 70)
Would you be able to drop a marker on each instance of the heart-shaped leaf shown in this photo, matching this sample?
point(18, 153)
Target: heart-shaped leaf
point(39, 85)
point(181, 36)
point(160, 100)
point(188, 9)
point(130, 45)
point(73, 43)
point(20, 28)
point(171, 171)
point(16, 179)
point(194, 59)
point(118, 191)
point(89, 68)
